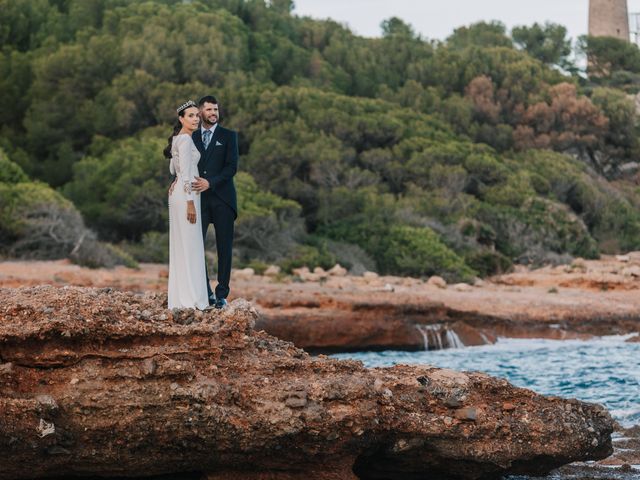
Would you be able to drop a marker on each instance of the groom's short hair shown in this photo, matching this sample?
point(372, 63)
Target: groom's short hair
point(207, 99)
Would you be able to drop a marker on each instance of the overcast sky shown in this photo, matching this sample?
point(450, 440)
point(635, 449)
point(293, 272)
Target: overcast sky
point(436, 19)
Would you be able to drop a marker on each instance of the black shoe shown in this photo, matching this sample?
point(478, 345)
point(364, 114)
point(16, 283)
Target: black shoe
point(221, 303)
point(212, 300)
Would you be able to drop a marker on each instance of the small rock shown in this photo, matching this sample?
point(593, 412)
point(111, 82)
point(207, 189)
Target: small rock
point(388, 287)
point(301, 271)
point(6, 368)
point(469, 413)
point(370, 275)
point(462, 287)
point(45, 428)
point(437, 282)
point(306, 275)
point(74, 381)
point(320, 271)
point(272, 271)
point(579, 264)
point(453, 402)
point(296, 400)
point(311, 277)
point(400, 446)
point(507, 407)
point(47, 401)
point(149, 366)
point(633, 271)
point(337, 271)
point(448, 421)
point(244, 274)
point(622, 258)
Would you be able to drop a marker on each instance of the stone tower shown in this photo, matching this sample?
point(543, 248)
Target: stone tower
point(609, 18)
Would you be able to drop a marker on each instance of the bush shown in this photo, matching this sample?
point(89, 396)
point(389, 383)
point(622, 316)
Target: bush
point(352, 257)
point(152, 248)
point(310, 256)
point(10, 172)
point(419, 252)
point(123, 193)
point(268, 226)
point(37, 222)
point(539, 231)
point(488, 262)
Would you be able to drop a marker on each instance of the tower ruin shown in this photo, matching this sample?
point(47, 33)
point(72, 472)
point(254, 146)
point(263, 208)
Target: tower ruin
point(609, 18)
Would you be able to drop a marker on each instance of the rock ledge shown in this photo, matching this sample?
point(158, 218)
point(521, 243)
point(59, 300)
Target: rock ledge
point(100, 382)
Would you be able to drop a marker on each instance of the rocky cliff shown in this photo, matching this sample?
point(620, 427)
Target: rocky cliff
point(100, 382)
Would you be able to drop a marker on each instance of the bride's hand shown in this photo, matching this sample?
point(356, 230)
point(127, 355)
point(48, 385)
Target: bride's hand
point(191, 211)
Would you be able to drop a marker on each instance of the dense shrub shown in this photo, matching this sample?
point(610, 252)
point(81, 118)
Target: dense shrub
point(348, 138)
point(419, 252)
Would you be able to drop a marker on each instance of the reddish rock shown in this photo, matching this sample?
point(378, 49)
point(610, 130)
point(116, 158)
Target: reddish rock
point(99, 382)
point(353, 313)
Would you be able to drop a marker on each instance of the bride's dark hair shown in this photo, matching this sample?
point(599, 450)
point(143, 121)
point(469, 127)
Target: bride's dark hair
point(178, 126)
point(176, 129)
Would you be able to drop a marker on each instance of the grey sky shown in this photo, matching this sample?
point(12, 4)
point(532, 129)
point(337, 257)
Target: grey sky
point(436, 19)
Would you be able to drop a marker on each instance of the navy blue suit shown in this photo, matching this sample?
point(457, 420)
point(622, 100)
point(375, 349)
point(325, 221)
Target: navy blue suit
point(219, 206)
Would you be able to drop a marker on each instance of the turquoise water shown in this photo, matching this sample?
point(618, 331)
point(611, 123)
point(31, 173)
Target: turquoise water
point(604, 370)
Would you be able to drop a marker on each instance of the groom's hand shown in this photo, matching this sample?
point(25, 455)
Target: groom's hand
point(200, 184)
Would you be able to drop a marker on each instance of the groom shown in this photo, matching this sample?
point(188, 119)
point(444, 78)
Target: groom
point(218, 164)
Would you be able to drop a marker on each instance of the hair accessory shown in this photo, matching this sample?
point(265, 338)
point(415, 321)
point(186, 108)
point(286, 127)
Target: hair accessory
point(184, 106)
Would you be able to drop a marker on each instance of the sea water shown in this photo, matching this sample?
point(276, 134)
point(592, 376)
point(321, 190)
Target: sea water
point(604, 370)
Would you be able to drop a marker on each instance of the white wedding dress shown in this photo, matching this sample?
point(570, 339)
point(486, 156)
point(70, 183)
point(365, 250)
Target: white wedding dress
point(187, 277)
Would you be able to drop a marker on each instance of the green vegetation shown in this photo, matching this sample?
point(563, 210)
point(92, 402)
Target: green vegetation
point(395, 153)
point(38, 222)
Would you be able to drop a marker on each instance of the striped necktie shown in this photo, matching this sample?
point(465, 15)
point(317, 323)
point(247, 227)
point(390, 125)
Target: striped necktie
point(207, 138)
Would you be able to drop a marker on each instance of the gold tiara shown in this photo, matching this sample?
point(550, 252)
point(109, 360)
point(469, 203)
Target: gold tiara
point(184, 106)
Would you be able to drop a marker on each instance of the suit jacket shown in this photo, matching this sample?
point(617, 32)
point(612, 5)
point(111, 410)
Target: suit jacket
point(218, 164)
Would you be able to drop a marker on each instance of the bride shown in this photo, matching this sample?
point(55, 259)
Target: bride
point(187, 276)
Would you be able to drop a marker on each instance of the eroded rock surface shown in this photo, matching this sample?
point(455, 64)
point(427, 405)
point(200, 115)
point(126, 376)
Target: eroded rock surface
point(100, 382)
point(371, 312)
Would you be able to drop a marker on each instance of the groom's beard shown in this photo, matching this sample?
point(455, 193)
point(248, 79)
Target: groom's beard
point(208, 124)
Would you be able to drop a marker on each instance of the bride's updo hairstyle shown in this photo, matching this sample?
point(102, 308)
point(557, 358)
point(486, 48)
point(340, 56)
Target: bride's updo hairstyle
point(177, 126)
